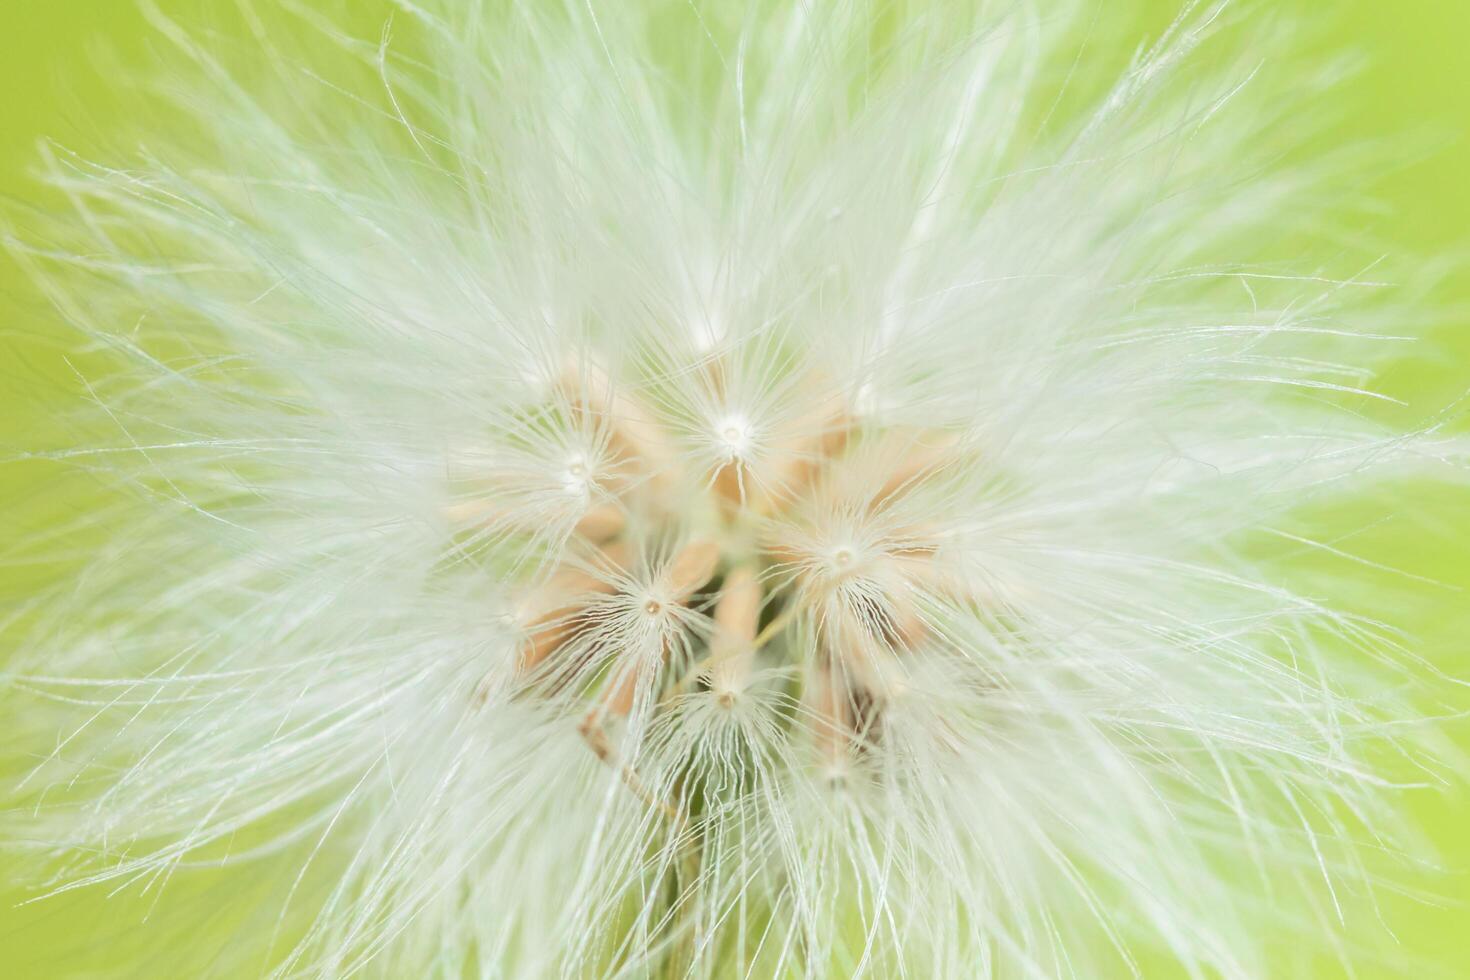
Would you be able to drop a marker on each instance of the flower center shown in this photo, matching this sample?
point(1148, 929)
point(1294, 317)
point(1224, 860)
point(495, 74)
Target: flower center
point(756, 567)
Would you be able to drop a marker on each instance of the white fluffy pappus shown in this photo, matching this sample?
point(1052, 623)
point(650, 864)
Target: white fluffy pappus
point(709, 489)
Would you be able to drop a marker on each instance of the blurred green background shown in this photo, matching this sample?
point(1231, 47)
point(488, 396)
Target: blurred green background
point(1409, 107)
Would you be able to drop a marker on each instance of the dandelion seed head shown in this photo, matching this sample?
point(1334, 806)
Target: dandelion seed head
point(703, 491)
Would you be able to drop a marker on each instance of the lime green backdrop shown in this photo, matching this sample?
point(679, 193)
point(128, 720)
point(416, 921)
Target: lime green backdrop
point(1411, 105)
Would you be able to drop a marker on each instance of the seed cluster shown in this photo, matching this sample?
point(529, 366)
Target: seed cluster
point(695, 553)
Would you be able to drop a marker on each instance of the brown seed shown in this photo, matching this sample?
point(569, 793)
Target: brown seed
point(600, 522)
point(552, 614)
point(693, 566)
point(732, 483)
point(829, 702)
point(737, 615)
